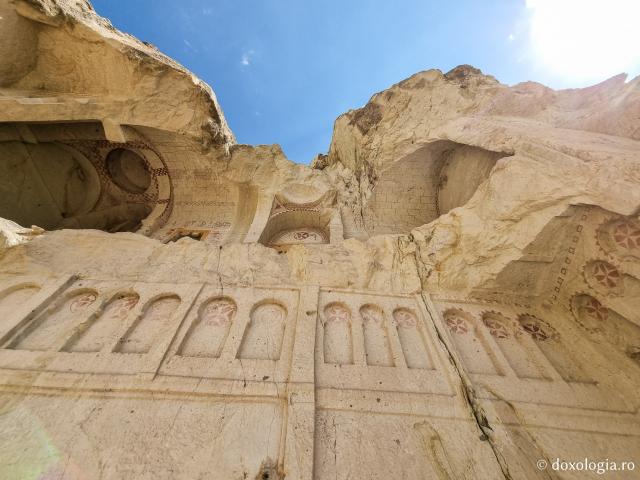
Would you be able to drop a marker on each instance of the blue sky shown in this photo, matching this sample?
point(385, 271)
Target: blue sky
point(283, 70)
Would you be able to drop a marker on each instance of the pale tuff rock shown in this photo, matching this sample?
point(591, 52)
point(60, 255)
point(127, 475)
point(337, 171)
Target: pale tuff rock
point(550, 161)
point(450, 292)
point(120, 80)
point(12, 234)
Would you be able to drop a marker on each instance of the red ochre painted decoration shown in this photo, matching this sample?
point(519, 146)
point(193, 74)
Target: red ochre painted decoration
point(627, 235)
point(606, 274)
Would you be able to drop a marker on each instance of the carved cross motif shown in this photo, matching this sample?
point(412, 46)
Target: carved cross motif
point(219, 312)
point(82, 301)
point(496, 328)
point(405, 318)
point(337, 313)
point(606, 274)
point(371, 314)
point(595, 309)
point(539, 330)
point(457, 324)
point(123, 305)
point(627, 235)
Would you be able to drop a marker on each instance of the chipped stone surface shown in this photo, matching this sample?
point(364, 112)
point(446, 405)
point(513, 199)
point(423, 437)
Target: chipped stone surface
point(450, 292)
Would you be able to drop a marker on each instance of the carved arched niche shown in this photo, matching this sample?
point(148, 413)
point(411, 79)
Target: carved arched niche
point(209, 331)
point(264, 334)
point(411, 339)
point(295, 223)
point(553, 347)
point(57, 175)
point(376, 337)
point(516, 348)
point(470, 345)
point(605, 325)
point(464, 169)
point(14, 297)
point(45, 184)
point(98, 330)
point(156, 315)
point(52, 327)
point(337, 334)
point(425, 184)
point(621, 290)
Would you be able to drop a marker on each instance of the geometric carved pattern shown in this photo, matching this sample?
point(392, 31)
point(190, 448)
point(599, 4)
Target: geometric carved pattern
point(124, 304)
point(158, 194)
point(219, 312)
point(404, 318)
point(605, 274)
point(594, 309)
point(83, 301)
point(371, 314)
point(496, 323)
point(627, 235)
point(589, 313)
point(337, 313)
point(537, 328)
point(457, 321)
point(300, 235)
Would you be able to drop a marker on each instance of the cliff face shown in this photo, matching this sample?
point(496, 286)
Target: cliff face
point(451, 292)
point(572, 147)
point(119, 80)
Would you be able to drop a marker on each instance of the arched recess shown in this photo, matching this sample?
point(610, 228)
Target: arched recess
point(425, 184)
point(62, 175)
point(621, 290)
point(376, 338)
point(514, 348)
point(475, 353)
point(49, 329)
point(606, 325)
point(145, 330)
point(93, 334)
point(296, 227)
point(45, 184)
point(337, 335)
point(411, 339)
point(208, 332)
point(264, 333)
point(463, 170)
point(14, 297)
point(553, 348)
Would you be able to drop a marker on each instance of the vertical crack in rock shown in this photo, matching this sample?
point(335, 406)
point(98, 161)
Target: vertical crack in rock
point(468, 393)
point(525, 442)
point(218, 271)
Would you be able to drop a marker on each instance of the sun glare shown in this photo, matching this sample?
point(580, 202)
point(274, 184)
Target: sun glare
point(586, 39)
